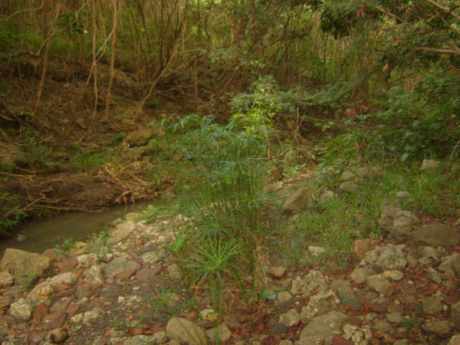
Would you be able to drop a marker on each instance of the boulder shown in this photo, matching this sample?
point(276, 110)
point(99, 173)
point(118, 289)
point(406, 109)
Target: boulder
point(24, 265)
point(185, 331)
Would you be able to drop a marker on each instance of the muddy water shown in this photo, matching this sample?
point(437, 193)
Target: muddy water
point(46, 234)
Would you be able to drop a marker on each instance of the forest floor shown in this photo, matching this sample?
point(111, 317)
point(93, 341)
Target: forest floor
point(126, 286)
point(68, 158)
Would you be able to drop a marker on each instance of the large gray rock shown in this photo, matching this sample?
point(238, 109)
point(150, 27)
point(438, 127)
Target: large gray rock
point(324, 326)
point(23, 265)
point(185, 331)
point(397, 222)
point(437, 234)
point(121, 268)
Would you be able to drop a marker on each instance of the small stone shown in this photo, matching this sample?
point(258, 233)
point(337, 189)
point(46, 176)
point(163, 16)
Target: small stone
point(86, 260)
point(284, 297)
point(277, 271)
point(298, 200)
point(379, 283)
point(438, 327)
point(290, 319)
point(326, 196)
point(6, 279)
point(348, 187)
point(58, 335)
point(324, 327)
point(219, 334)
point(432, 305)
point(209, 315)
point(358, 336)
point(316, 251)
point(429, 164)
point(121, 268)
point(21, 310)
point(403, 195)
point(360, 274)
point(183, 330)
point(394, 275)
point(153, 257)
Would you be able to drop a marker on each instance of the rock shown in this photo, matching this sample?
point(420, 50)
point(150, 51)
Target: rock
point(79, 248)
point(428, 255)
point(326, 196)
point(437, 234)
point(348, 187)
point(21, 310)
point(209, 315)
point(319, 304)
point(314, 280)
point(284, 297)
point(277, 271)
point(87, 317)
point(361, 247)
point(24, 265)
point(219, 334)
point(383, 326)
point(345, 293)
point(121, 268)
point(316, 251)
point(360, 274)
point(455, 340)
point(290, 319)
point(429, 164)
point(389, 257)
point(380, 284)
point(310, 340)
point(185, 331)
point(397, 222)
point(358, 336)
point(393, 275)
point(141, 340)
point(433, 304)
point(58, 335)
point(174, 272)
point(94, 275)
point(6, 279)
point(451, 265)
point(63, 281)
point(122, 231)
point(347, 175)
point(438, 327)
point(153, 257)
point(394, 317)
point(297, 201)
point(402, 195)
point(86, 260)
point(324, 326)
point(455, 315)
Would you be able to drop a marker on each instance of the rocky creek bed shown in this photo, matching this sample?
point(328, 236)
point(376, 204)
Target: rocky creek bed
point(401, 290)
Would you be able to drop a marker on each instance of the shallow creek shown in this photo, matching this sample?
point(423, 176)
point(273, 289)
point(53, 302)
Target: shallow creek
point(41, 235)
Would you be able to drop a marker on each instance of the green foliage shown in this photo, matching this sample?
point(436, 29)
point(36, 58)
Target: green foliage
point(420, 123)
point(99, 244)
point(35, 152)
point(10, 204)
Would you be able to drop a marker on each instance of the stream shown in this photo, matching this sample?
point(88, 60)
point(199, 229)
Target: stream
point(45, 234)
